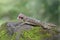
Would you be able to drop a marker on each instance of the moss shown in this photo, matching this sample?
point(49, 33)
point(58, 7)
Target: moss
point(36, 33)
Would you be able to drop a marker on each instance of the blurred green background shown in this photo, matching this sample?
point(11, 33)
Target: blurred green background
point(44, 10)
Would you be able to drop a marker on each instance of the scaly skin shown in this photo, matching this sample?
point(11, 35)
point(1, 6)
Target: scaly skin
point(33, 21)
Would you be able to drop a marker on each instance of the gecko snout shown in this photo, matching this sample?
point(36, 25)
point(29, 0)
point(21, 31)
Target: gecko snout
point(20, 16)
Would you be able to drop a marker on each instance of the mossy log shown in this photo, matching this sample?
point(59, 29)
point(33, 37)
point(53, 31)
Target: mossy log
point(21, 31)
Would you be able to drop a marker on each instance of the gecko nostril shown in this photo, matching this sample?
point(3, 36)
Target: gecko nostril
point(19, 17)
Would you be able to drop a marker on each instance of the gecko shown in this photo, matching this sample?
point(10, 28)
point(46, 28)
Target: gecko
point(33, 21)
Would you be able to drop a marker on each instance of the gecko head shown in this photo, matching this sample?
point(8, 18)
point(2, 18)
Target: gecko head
point(21, 16)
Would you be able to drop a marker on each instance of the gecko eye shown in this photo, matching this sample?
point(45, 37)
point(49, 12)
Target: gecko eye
point(20, 17)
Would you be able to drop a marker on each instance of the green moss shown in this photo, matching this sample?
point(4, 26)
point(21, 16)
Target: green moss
point(36, 33)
